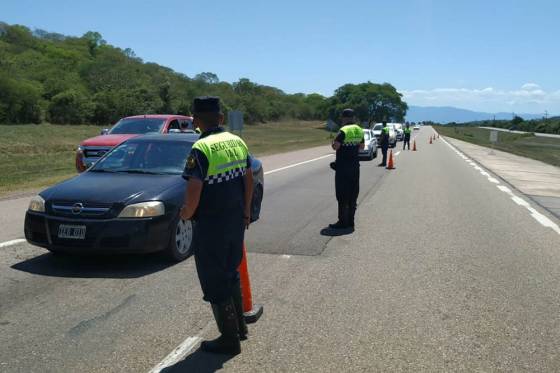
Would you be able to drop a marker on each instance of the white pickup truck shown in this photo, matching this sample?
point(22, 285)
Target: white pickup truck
point(392, 134)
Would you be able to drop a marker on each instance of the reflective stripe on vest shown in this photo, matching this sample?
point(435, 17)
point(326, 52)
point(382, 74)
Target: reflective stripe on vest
point(227, 156)
point(353, 135)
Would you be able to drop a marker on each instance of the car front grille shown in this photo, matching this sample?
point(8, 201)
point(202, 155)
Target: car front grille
point(95, 152)
point(78, 209)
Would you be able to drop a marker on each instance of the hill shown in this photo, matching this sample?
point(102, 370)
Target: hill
point(62, 79)
point(447, 114)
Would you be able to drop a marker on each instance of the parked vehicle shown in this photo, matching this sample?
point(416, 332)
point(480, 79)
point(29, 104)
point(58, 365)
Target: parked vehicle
point(398, 130)
point(392, 134)
point(127, 202)
point(370, 149)
point(90, 150)
point(416, 127)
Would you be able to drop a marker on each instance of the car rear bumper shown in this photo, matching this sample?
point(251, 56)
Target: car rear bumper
point(102, 235)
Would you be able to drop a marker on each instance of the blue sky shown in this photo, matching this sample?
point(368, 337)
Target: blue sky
point(491, 55)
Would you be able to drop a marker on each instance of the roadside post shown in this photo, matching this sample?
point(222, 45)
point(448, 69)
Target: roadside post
point(493, 141)
point(235, 121)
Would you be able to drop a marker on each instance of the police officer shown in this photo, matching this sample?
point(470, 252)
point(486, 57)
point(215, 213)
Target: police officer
point(407, 133)
point(348, 143)
point(384, 142)
point(218, 198)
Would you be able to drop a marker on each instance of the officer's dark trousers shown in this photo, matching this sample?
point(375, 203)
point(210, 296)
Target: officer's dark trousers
point(384, 152)
point(218, 252)
point(347, 187)
point(405, 142)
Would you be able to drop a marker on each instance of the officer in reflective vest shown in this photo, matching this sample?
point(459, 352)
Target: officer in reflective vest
point(407, 133)
point(384, 142)
point(348, 143)
point(218, 199)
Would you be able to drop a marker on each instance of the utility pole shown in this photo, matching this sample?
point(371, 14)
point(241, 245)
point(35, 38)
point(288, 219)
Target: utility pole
point(545, 115)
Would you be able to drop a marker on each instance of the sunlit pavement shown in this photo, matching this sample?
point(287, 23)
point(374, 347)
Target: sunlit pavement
point(446, 271)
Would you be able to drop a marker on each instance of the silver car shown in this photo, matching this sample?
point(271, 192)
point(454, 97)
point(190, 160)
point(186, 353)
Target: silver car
point(370, 149)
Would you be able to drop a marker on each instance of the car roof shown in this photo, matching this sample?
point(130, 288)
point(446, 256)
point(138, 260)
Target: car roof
point(158, 116)
point(172, 137)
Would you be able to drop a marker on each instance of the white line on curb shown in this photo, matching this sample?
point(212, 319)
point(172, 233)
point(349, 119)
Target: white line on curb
point(12, 242)
point(297, 164)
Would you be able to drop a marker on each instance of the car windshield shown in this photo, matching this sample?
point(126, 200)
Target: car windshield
point(378, 127)
point(137, 126)
point(146, 157)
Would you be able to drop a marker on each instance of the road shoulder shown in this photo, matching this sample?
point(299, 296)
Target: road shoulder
point(537, 180)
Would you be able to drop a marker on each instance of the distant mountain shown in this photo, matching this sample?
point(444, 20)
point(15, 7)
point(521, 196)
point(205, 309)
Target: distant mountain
point(446, 114)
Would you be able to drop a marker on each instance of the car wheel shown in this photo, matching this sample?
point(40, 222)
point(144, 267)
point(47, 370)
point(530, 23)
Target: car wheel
point(375, 154)
point(370, 155)
point(182, 238)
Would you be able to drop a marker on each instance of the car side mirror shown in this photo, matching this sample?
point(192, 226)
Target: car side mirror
point(104, 131)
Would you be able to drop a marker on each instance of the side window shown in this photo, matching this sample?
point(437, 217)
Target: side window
point(186, 124)
point(173, 125)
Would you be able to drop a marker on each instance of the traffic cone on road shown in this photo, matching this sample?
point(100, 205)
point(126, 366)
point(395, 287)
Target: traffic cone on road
point(251, 312)
point(414, 145)
point(390, 165)
point(430, 139)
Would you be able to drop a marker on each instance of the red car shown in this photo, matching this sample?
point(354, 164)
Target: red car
point(92, 149)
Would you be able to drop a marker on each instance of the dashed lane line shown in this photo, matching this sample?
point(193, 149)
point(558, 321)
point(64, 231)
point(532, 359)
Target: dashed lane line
point(542, 219)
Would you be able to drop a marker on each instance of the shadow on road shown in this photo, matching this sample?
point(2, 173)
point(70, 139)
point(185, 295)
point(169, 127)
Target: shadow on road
point(329, 232)
point(89, 266)
point(200, 362)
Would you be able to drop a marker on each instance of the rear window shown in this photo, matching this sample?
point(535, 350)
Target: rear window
point(377, 127)
point(138, 126)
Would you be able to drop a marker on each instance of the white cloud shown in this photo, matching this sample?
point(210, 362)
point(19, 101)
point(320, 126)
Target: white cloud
point(529, 98)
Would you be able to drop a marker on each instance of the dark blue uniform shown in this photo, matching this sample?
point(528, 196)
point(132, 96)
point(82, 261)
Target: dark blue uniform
point(219, 228)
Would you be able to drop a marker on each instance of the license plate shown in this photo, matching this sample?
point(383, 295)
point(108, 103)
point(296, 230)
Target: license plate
point(76, 232)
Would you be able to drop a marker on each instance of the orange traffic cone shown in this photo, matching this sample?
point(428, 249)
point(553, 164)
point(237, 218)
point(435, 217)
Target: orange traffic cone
point(430, 139)
point(390, 165)
point(414, 145)
point(251, 313)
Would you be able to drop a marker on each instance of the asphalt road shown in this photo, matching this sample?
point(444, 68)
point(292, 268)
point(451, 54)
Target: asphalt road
point(448, 270)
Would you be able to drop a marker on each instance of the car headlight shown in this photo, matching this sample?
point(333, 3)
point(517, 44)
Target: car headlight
point(143, 210)
point(37, 204)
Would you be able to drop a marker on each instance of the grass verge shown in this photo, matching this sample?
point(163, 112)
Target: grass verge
point(35, 156)
point(543, 149)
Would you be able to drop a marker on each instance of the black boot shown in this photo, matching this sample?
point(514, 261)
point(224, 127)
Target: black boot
point(228, 342)
point(351, 213)
point(341, 218)
point(238, 303)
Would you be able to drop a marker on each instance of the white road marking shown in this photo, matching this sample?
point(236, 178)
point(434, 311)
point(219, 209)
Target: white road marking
point(177, 354)
point(542, 219)
point(397, 153)
point(12, 242)
point(546, 222)
point(519, 201)
point(297, 164)
point(504, 189)
point(286, 256)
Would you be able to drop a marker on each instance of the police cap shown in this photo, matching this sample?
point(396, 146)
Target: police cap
point(206, 104)
point(347, 113)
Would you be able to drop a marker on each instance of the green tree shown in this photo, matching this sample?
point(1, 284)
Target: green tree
point(371, 102)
